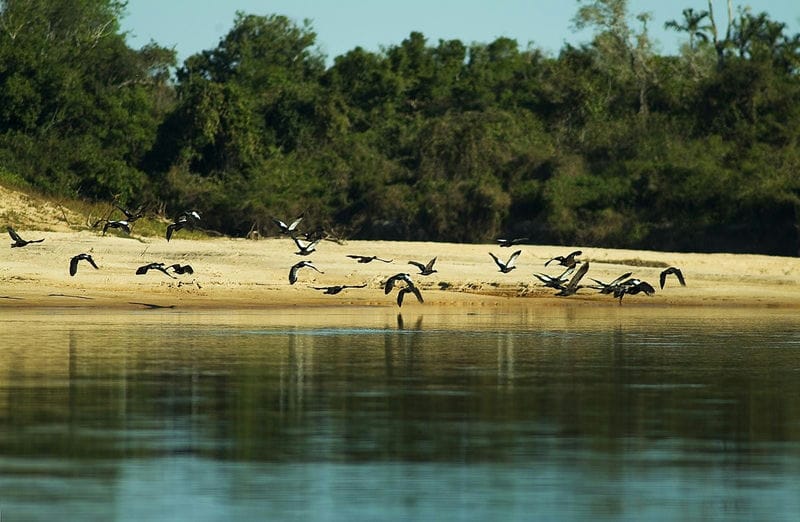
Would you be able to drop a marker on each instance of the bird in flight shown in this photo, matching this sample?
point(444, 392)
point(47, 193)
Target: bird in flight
point(304, 248)
point(153, 266)
point(18, 241)
point(335, 289)
point(572, 287)
point(187, 217)
point(132, 215)
point(509, 265)
point(73, 263)
point(296, 267)
point(511, 242)
point(557, 282)
point(568, 260)
point(389, 284)
point(409, 287)
point(181, 269)
point(426, 269)
point(368, 259)
point(287, 229)
point(121, 224)
point(403, 291)
point(632, 287)
point(674, 271)
point(608, 288)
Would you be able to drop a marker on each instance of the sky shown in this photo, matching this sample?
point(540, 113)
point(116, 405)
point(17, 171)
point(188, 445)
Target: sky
point(191, 26)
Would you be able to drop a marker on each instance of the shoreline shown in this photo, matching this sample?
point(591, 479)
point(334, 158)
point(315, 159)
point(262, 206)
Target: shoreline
point(233, 274)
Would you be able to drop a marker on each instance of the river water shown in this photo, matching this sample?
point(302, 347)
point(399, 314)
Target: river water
point(540, 413)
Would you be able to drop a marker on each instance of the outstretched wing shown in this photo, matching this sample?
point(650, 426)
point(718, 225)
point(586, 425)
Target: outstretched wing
point(513, 259)
point(73, 265)
point(418, 265)
point(91, 261)
point(14, 235)
point(573, 283)
point(498, 262)
point(429, 266)
point(294, 224)
point(390, 283)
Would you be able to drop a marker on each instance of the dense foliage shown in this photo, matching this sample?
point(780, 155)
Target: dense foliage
point(606, 144)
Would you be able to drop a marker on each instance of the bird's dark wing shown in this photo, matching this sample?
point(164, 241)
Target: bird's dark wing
point(182, 269)
point(498, 262)
point(662, 278)
point(293, 273)
point(91, 261)
point(354, 256)
point(620, 278)
point(142, 270)
point(647, 288)
point(429, 266)
point(679, 275)
point(557, 258)
point(105, 227)
point(390, 283)
point(73, 265)
point(355, 286)
point(309, 265)
point(281, 224)
point(416, 293)
point(418, 265)
point(575, 253)
point(170, 229)
point(14, 235)
point(573, 283)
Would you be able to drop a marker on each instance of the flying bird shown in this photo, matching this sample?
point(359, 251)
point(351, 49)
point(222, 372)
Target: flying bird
point(132, 215)
point(406, 278)
point(304, 248)
point(572, 287)
point(287, 229)
point(608, 288)
point(676, 272)
point(181, 269)
point(557, 282)
point(333, 290)
point(368, 259)
point(18, 241)
point(73, 263)
point(511, 242)
point(426, 269)
point(568, 260)
point(189, 215)
point(298, 266)
point(121, 224)
point(403, 291)
point(410, 287)
point(633, 287)
point(508, 266)
point(142, 270)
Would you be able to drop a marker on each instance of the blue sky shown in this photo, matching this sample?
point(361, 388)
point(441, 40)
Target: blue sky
point(191, 26)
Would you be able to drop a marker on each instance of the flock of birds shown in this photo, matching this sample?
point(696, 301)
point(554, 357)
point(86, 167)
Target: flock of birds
point(567, 283)
point(182, 220)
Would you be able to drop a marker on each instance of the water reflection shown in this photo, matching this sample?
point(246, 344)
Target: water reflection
point(369, 414)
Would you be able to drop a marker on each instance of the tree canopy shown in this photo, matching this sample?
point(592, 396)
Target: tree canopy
point(606, 143)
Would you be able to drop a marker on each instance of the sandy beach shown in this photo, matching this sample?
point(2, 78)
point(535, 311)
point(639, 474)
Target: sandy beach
point(241, 273)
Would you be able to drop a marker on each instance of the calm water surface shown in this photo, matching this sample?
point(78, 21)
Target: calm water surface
point(550, 413)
